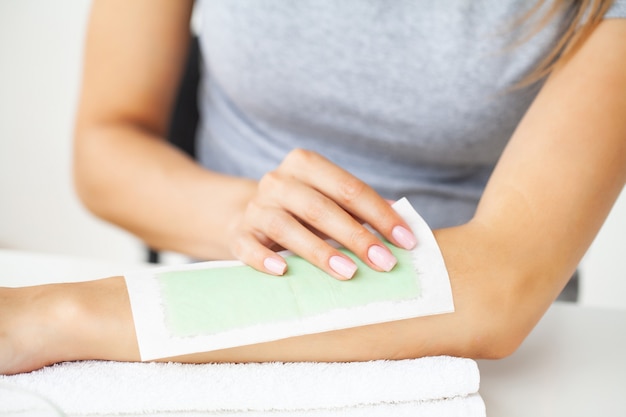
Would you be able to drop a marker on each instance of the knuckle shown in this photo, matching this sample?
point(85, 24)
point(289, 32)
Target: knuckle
point(350, 189)
point(251, 213)
point(299, 157)
point(386, 218)
point(360, 238)
point(319, 254)
point(248, 249)
point(270, 182)
point(315, 211)
point(238, 246)
point(276, 227)
point(382, 219)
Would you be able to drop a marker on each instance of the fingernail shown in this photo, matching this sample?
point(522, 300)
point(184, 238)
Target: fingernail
point(381, 257)
point(275, 266)
point(404, 237)
point(342, 266)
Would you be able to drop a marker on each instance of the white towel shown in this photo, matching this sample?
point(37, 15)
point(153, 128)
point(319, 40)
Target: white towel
point(442, 386)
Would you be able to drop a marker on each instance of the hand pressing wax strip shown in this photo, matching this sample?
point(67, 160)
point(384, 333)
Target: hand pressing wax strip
point(215, 300)
point(220, 304)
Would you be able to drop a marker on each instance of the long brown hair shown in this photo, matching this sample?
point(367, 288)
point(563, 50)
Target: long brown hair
point(581, 20)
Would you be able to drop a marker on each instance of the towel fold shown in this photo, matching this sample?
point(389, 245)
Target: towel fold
point(442, 386)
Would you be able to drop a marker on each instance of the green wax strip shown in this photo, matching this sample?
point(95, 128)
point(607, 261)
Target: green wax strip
point(213, 300)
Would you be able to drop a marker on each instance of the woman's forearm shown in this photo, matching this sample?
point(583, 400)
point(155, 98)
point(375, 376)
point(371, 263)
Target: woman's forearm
point(136, 180)
point(93, 320)
point(125, 170)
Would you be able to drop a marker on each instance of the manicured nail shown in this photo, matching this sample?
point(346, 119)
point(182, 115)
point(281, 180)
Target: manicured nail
point(381, 257)
point(275, 266)
point(342, 266)
point(404, 237)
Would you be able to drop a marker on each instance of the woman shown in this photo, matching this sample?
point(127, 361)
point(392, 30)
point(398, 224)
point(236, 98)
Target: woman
point(504, 126)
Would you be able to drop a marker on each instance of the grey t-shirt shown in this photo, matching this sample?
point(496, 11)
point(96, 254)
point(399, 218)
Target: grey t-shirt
point(410, 96)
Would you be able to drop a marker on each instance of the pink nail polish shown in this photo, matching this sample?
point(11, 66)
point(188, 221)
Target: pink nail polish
point(404, 237)
point(275, 266)
point(342, 266)
point(381, 257)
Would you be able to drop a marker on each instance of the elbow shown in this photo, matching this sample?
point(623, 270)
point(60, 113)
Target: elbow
point(499, 329)
point(493, 322)
point(498, 301)
point(495, 342)
point(89, 172)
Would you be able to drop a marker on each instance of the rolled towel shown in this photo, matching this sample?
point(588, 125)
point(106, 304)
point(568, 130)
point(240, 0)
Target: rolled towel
point(441, 385)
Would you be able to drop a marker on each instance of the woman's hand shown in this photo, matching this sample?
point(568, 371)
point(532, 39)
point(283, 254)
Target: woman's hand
point(306, 199)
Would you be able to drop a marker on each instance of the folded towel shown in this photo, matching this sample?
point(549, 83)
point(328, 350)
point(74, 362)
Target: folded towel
point(439, 386)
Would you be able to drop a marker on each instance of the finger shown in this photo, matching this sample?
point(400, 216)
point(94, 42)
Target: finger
point(317, 211)
point(247, 248)
point(281, 227)
point(350, 193)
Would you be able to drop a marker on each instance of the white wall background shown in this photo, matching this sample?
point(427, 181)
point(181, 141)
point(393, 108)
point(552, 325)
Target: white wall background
point(40, 58)
point(603, 269)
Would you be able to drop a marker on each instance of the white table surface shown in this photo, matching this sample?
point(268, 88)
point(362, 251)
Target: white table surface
point(572, 364)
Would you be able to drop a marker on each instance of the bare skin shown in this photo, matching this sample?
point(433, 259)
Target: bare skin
point(42, 325)
point(247, 220)
point(553, 187)
point(127, 174)
point(59, 322)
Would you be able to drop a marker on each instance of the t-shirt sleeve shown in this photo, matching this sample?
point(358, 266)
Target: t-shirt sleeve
point(617, 10)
